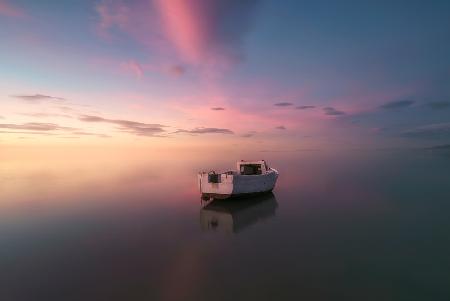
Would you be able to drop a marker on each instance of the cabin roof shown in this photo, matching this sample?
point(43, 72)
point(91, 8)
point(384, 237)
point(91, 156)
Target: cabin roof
point(250, 162)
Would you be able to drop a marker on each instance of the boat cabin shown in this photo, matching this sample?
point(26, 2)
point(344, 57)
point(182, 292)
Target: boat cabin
point(252, 167)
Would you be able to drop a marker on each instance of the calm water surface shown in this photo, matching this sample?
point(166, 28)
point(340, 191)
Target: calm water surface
point(346, 226)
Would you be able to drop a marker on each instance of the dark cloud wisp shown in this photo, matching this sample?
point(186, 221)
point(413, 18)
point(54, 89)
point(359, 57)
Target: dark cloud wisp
point(249, 134)
point(218, 109)
point(429, 131)
point(398, 104)
point(332, 111)
point(45, 115)
point(305, 107)
point(133, 127)
point(281, 127)
point(35, 126)
point(283, 104)
point(202, 130)
point(225, 24)
point(28, 133)
point(439, 105)
point(36, 98)
point(81, 133)
point(177, 70)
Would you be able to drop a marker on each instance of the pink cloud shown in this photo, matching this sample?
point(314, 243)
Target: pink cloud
point(201, 31)
point(10, 10)
point(376, 130)
point(176, 70)
point(193, 31)
point(137, 19)
point(133, 67)
point(111, 14)
point(182, 24)
point(137, 69)
point(242, 120)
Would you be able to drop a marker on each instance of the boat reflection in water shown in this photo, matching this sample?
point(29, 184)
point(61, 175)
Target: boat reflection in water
point(234, 215)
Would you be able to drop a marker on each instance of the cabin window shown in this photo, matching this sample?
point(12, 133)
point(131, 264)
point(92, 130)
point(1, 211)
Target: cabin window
point(251, 169)
point(214, 178)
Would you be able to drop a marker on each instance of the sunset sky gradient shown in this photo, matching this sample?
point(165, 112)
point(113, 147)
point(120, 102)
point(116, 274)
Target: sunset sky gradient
point(268, 75)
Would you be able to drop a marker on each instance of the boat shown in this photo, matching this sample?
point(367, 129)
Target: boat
point(235, 215)
point(251, 177)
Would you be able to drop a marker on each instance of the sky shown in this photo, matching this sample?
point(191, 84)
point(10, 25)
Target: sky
point(267, 75)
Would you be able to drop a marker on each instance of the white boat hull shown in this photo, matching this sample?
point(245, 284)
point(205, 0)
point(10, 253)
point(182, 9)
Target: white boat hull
point(231, 185)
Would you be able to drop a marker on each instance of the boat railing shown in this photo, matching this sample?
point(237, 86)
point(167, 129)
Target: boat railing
point(214, 177)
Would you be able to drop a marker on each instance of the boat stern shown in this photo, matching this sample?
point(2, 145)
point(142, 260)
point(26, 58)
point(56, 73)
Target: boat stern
point(215, 184)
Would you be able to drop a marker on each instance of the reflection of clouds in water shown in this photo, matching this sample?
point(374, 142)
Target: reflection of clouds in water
point(336, 208)
point(189, 266)
point(60, 178)
point(32, 178)
point(142, 174)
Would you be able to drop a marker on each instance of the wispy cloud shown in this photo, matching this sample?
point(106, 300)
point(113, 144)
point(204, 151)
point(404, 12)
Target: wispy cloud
point(280, 127)
point(31, 133)
point(283, 104)
point(332, 111)
point(133, 127)
point(440, 147)
point(398, 104)
point(37, 98)
point(377, 130)
point(112, 14)
point(91, 134)
point(45, 115)
point(430, 131)
point(305, 107)
point(218, 109)
point(35, 126)
point(176, 70)
point(439, 105)
point(67, 109)
point(133, 67)
point(249, 134)
point(9, 10)
point(121, 122)
point(201, 31)
point(198, 31)
point(202, 130)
